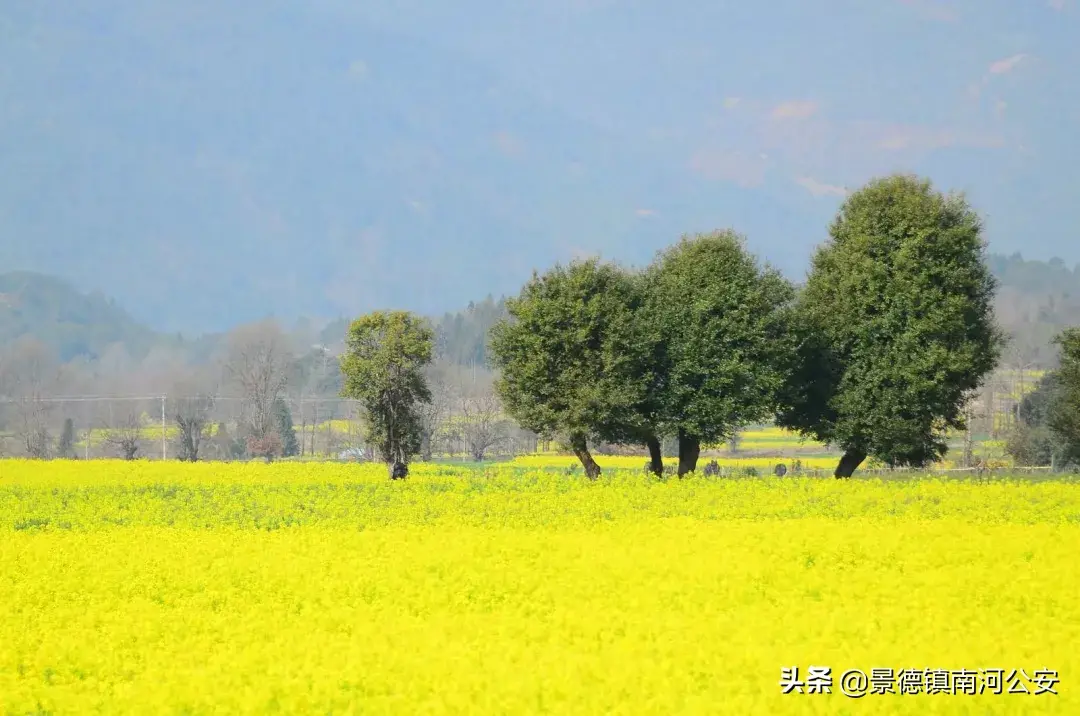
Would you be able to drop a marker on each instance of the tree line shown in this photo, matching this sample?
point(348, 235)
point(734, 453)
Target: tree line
point(264, 393)
point(876, 353)
point(879, 353)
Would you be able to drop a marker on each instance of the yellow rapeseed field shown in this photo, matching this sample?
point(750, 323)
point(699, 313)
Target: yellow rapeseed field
point(168, 588)
point(625, 462)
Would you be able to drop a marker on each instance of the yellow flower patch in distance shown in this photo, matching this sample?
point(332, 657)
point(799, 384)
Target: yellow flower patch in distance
point(625, 462)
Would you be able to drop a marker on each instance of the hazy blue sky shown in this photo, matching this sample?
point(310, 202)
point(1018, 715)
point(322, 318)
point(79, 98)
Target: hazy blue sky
point(982, 95)
point(331, 157)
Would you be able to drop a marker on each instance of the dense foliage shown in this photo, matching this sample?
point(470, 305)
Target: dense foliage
point(897, 326)
point(564, 356)
point(1063, 415)
point(716, 325)
point(1031, 441)
point(891, 335)
point(386, 352)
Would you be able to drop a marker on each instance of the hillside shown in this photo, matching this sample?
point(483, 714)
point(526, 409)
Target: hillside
point(217, 187)
point(1036, 299)
point(70, 323)
point(460, 336)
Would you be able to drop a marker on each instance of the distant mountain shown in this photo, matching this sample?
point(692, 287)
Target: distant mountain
point(1035, 300)
point(214, 163)
point(71, 323)
point(461, 337)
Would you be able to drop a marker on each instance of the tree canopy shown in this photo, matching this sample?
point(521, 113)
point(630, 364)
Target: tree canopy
point(565, 359)
point(383, 367)
point(719, 325)
point(895, 326)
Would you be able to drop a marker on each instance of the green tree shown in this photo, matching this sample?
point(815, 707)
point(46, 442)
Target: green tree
point(65, 448)
point(1031, 441)
point(1035, 406)
point(1063, 414)
point(716, 335)
point(229, 447)
point(567, 360)
point(283, 416)
point(192, 418)
point(1032, 445)
point(461, 337)
point(383, 366)
point(895, 326)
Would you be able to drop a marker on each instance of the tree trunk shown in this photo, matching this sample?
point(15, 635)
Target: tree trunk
point(689, 450)
point(656, 456)
point(849, 463)
point(581, 449)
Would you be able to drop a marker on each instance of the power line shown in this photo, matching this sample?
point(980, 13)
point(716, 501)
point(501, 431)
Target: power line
point(79, 398)
point(159, 396)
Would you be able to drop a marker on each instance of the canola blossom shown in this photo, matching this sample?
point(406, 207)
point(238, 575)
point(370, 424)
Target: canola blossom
point(153, 587)
point(627, 462)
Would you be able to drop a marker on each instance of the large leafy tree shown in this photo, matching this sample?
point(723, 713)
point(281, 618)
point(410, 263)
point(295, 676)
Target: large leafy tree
point(1063, 413)
point(895, 325)
point(383, 367)
point(714, 333)
point(565, 359)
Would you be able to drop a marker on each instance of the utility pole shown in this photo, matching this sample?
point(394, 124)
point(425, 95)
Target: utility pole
point(968, 442)
point(1023, 367)
point(164, 449)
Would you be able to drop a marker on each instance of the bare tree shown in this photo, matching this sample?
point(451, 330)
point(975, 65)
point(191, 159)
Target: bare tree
point(267, 447)
point(126, 436)
point(1020, 358)
point(30, 376)
point(192, 416)
point(353, 441)
point(483, 426)
point(315, 413)
point(314, 374)
point(735, 440)
point(192, 410)
point(433, 415)
point(526, 441)
point(967, 455)
point(257, 363)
